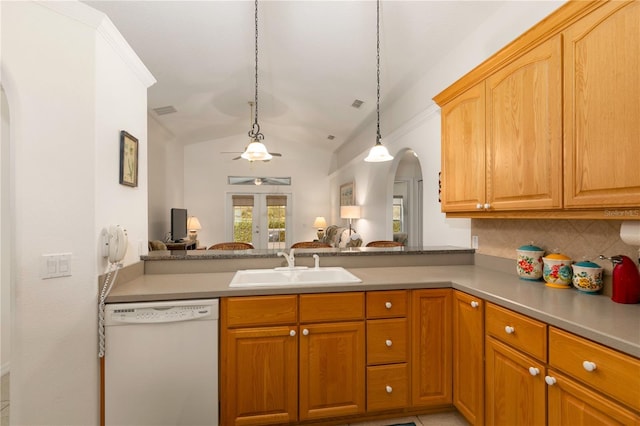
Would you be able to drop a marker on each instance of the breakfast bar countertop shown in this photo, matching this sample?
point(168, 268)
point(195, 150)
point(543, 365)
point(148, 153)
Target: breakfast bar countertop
point(594, 317)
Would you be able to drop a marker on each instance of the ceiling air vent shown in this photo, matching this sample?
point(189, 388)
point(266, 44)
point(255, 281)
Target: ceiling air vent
point(357, 103)
point(331, 137)
point(165, 110)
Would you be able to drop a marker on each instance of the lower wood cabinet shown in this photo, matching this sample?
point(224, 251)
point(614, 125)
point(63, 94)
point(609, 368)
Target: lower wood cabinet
point(468, 356)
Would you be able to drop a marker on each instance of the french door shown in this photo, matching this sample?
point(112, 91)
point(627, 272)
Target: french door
point(260, 219)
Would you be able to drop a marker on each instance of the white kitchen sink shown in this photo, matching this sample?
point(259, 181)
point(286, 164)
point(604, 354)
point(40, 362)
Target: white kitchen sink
point(295, 276)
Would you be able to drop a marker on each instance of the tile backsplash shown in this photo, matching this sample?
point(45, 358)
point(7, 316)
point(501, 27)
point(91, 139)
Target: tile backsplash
point(578, 239)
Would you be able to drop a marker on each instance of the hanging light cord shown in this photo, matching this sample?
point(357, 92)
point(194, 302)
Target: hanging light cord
point(378, 135)
point(254, 133)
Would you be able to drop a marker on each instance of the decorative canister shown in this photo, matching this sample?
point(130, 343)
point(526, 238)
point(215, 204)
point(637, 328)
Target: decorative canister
point(557, 270)
point(587, 277)
point(529, 262)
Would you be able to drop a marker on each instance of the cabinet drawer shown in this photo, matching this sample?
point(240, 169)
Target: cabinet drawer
point(331, 307)
point(519, 331)
point(387, 341)
point(259, 310)
point(387, 304)
point(387, 387)
point(615, 374)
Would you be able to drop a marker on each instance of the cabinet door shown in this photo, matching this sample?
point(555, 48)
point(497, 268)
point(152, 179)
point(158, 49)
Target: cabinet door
point(258, 373)
point(602, 106)
point(463, 151)
point(570, 403)
point(431, 347)
point(514, 396)
point(332, 370)
point(468, 357)
point(524, 131)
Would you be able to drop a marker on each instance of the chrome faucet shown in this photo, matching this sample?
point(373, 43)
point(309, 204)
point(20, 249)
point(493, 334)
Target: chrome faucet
point(291, 260)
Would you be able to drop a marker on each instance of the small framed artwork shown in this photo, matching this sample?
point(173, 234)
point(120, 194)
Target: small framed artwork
point(128, 159)
point(348, 194)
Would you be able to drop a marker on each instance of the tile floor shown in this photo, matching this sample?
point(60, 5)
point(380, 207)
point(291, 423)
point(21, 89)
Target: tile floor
point(439, 419)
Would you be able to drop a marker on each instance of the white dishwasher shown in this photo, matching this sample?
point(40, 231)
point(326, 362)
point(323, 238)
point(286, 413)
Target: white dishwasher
point(161, 363)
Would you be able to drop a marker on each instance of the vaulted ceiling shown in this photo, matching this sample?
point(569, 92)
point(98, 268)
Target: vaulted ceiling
point(315, 59)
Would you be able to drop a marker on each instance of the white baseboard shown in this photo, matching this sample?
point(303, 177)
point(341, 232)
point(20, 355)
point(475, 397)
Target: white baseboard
point(4, 368)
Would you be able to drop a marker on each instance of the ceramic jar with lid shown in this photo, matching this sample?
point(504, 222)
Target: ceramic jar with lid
point(588, 277)
point(529, 262)
point(557, 271)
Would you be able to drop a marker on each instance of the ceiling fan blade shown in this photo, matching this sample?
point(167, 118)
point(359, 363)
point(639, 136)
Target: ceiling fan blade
point(276, 154)
point(237, 158)
point(231, 152)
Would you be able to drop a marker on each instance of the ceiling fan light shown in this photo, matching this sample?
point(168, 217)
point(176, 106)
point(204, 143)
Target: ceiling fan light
point(256, 151)
point(378, 154)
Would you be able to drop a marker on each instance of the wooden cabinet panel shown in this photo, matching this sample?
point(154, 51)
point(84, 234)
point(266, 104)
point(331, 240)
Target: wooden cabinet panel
point(387, 387)
point(513, 395)
point(524, 131)
point(615, 374)
point(602, 107)
point(519, 331)
point(331, 307)
point(259, 310)
point(387, 341)
point(332, 370)
point(570, 403)
point(463, 151)
point(468, 356)
point(259, 378)
point(387, 303)
point(431, 348)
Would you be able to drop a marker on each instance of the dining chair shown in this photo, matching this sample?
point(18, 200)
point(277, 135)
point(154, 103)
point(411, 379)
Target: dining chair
point(232, 245)
point(310, 244)
point(382, 243)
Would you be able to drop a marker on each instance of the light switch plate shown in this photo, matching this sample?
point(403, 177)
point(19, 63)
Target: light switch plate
point(55, 265)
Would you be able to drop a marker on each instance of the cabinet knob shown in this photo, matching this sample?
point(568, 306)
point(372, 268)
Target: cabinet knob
point(474, 304)
point(534, 371)
point(388, 305)
point(589, 366)
point(388, 342)
point(479, 206)
point(305, 331)
point(550, 380)
point(389, 389)
point(509, 329)
point(487, 206)
point(292, 333)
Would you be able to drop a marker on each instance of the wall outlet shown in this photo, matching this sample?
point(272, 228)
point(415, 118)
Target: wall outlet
point(474, 242)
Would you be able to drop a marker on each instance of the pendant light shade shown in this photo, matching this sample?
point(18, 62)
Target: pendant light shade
point(256, 150)
point(378, 153)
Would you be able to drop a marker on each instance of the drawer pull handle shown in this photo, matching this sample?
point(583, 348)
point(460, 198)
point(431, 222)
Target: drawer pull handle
point(388, 342)
point(534, 371)
point(474, 304)
point(388, 305)
point(389, 389)
point(589, 366)
point(509, 329)
point(305, 331)
point(550, 380)
point(292, 333)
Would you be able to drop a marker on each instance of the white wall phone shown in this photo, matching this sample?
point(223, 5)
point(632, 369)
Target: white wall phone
point(115, 242)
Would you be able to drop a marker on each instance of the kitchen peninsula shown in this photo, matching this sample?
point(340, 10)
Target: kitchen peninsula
point(424, 288)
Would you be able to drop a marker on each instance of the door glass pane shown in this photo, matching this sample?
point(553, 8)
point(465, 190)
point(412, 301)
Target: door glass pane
point(242, 218)
point(398, 213)
point(276, 215)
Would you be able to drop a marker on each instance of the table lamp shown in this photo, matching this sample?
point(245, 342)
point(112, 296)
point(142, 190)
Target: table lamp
point(193, 226)
point(350, 212)
point(320, 223)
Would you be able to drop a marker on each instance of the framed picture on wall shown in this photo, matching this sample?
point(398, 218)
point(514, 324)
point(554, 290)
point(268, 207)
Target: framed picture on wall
point(128, 159)
point(348, 194)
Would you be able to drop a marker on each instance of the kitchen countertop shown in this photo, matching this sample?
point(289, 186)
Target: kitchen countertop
point(595, 317)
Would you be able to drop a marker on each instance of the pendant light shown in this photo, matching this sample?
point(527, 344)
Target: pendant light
point(256, 151)
point(378, 153)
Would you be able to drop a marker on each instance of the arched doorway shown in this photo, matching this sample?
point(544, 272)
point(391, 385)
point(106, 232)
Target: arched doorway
point(407, 199)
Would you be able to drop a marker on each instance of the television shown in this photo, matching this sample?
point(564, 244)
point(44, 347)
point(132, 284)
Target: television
point(178, 224)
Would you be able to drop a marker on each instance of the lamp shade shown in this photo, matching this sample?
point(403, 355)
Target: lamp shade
point(256, 151)
point(320, 222)
point(378, 154)
point(350, 212)
point(193, 224)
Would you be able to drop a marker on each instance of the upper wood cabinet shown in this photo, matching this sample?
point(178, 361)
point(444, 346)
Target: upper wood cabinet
point(602, 108)
point(548, 126)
